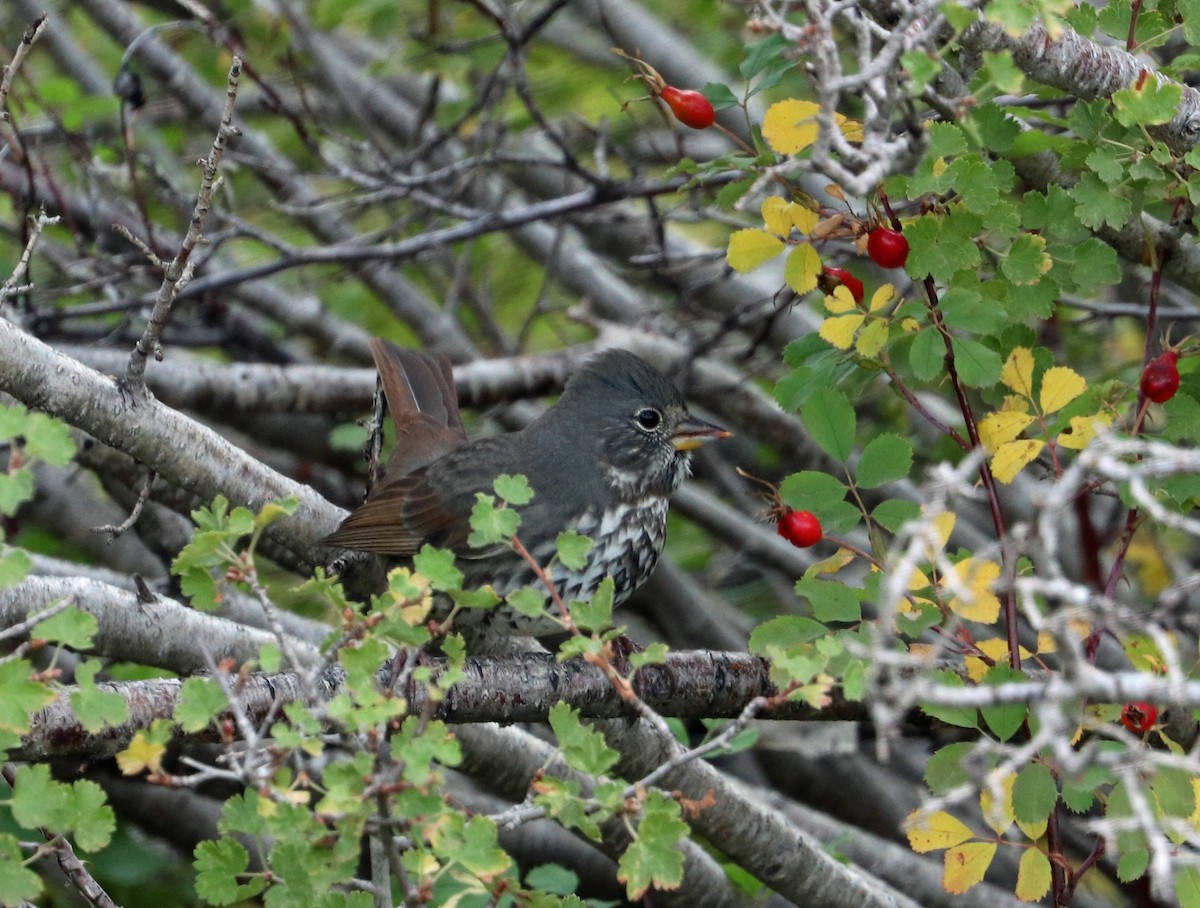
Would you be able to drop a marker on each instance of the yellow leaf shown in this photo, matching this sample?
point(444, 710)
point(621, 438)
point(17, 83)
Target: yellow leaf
point(882, 297)
point(1060, 386)
point(998, 814)
point(1033, 876)
point(839, 330)
point(141, 755)
point(966, 865)
point(872, 339)
point(790, 126)
point(1152, 571)
point(804, 219)
point(996, 650)
point(1194, 819)
point(924, 652)
point(830, 565)
point(750, 248)
point(977, 575)
point(841, 300)
point(1010, 458)
point(1083, 429)
point(1001, 427)
point(931, 831)
point(1018, 372)
point(910, 326)
point(802, 269)
point(851, 129)
point(776, 216)
point(1033, 831)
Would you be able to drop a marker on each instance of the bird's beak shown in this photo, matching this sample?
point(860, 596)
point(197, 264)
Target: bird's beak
point(692, 433)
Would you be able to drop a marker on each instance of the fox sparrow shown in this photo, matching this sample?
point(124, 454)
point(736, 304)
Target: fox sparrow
point(602, 462)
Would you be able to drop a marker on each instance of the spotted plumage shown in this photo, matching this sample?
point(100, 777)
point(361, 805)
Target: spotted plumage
point(603, 461)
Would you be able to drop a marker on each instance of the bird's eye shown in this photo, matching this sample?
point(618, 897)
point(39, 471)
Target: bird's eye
point(649, 418)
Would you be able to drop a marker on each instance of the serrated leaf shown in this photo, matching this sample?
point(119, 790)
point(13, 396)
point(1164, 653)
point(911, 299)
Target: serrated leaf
point(960, 716)
point(93, 707)
point(18, 883)
point(1033, 876)
point(1034, 793)
point(927, 355)
point(1013, 457)
point(830, 419)
point(218, 863)
point(1027, 260)
point(977, 575)
point(513, 489)
point(886, 458)
point(978, 365)
point(839, 330)
point(1187, 886)
point(200, 700)
point(775, 216)
point(71, 627)
point(1060, 386)
point(802, 269)
point(1132, 864)
point(573, 549)
point(1017, 373)
point(946, 769)
point(596, 613)
point(893, 513)
point(654, 857)
point(872, 338)
point(748, 249)
point(1005, 719)
point(1083, 429)
point(1151, 104)
point(966, 864)
point(437, 566)
point(790, 126)
point(1002, 426)
point(932, 831)
point(830, 600)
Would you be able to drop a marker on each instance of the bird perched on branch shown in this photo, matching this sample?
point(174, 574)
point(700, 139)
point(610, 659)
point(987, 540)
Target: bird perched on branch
point(602, 462)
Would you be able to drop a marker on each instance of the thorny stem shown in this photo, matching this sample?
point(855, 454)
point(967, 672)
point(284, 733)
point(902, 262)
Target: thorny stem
point(985, 472)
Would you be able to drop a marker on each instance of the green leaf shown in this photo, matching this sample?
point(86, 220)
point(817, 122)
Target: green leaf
point(595, 614)
point(218, 863)
point(978, 365)
point(437, 566)
point(942, 245)
point(96, 708)
point(786, 631)
point(719, 96)
point(761, 53)
point(1095, 265)
point(528, 600)
point(1132, 864)
point(1173, 791)
point(654, 857)
point(22, 696)
point(830, 599)
point(1152, 104)
point(71, 627)
point(552, 878)
point(513, 489)
point(893, 513)
point(960, 716)
point(17, 882)
point(1004, 720)
point(1187, 884)
point(200, 700)
point(491, 525)
point(1034, 793)
point(49, 440)
point(275, 510)
point(811, 491)
point(1079, 792)
point(829, 417)
point(15, 566)
point(583, 748)
point(573, 549)
point(947, 768)
point(1097, 205)
point(927, 355)
point(15, 489)
point(886, 458)
point(1027, 260)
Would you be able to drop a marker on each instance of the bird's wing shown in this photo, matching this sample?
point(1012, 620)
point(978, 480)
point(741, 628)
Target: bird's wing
point(423, 402)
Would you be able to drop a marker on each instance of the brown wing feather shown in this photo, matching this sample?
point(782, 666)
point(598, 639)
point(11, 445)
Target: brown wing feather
point(397, 519)
point(423, 402)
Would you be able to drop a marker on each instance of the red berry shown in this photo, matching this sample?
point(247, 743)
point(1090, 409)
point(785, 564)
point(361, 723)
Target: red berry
point(1139, 717)
point(887, 247)
point(1160, 378)
point(831, 277)
point(690, 107)
point(800, 528)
